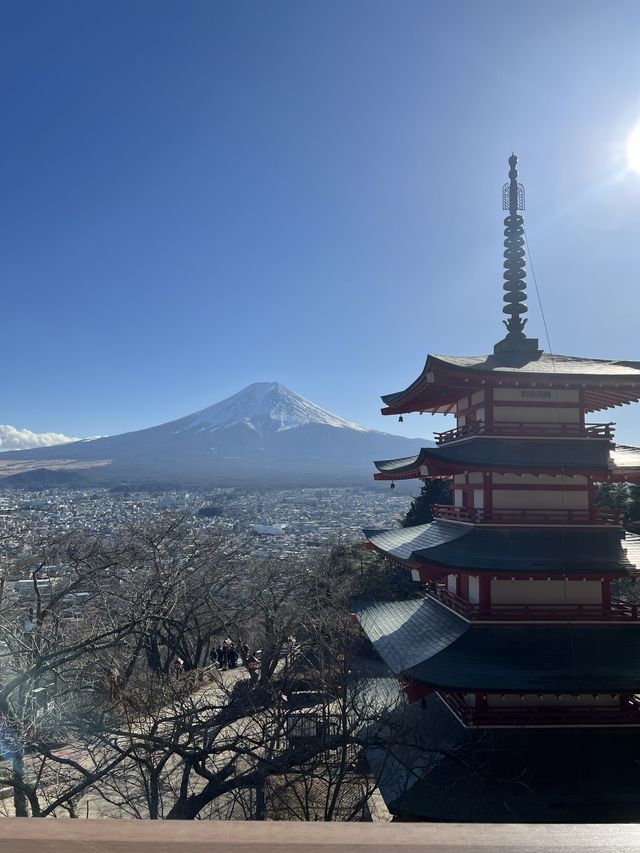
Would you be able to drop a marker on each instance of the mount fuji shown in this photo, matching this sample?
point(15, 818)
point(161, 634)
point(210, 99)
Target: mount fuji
point(265, 435)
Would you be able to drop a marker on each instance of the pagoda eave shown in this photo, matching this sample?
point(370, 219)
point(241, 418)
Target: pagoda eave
point(444, 379)
point(414, 474)
point(530, 775)
point(429, 644)
point(588, 457)
point(445, 546)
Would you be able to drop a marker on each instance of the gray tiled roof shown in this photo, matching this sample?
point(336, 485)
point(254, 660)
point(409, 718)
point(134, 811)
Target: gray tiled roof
point(432, 645)
point(402, 542)
point(404, 631)
point(525, 454)
point(523, 364)
point(557, 364)
point(512, 550)
point(407, 463)
point(525, 775)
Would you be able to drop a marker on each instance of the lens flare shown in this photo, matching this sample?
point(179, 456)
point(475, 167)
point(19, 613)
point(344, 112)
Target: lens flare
point(633, 149)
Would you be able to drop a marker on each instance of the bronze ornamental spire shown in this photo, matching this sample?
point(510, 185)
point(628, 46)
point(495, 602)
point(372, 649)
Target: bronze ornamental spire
point(515, 286)
point(514, 271)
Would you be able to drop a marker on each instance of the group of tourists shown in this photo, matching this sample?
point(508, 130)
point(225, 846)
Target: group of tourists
point(226, 654)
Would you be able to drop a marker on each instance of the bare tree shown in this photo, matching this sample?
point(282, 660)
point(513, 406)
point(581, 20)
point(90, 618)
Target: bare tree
point(135, 719)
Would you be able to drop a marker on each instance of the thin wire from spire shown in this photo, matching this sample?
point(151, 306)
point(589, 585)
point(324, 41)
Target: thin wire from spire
point(535, 284)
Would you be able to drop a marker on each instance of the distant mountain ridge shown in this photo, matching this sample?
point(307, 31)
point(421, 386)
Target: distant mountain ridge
point(265, 434)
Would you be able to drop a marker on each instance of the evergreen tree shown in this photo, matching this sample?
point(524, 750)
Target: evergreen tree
point(632, 509)
point(623, 497)
point(433, 491)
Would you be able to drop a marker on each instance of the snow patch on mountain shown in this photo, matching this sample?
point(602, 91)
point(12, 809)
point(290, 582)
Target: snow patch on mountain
point(267, 407)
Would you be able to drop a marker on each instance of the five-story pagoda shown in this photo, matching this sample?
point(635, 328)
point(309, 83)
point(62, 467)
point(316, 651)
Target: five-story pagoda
point(525, 661)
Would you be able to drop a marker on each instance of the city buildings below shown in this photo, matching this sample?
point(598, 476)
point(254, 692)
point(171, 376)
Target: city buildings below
point(293, 524)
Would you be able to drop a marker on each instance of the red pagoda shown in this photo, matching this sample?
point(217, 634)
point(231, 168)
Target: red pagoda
point(521, 660)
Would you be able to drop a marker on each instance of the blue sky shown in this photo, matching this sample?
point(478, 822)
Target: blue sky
point(199, 195)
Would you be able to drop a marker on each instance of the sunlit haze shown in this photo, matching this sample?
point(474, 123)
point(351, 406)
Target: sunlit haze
point(633, 149)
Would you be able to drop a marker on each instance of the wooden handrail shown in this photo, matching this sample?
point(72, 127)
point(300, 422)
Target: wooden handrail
point(529, 430)
point(23, 835)
point(574, 714)
point(526, 516)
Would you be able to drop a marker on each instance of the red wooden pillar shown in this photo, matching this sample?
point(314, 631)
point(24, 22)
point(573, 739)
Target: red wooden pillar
point(484, 584)
point(462, 586)
point(488, 495)
point(481, 708)
point(606, 596)
point(591, 493)
point(488, 409)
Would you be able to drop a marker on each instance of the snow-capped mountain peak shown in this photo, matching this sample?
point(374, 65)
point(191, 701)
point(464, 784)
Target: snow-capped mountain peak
point(267, 407)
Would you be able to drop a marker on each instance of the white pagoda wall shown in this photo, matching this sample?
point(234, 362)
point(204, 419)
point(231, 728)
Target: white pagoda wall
point(536, 479)
point(529, 412)
point(546, 592)
point(540, 499)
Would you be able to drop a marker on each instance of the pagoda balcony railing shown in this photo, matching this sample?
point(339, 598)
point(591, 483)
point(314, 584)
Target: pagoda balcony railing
point(616, 611)
point(580, 713)
point(470, 515)
point(530, 430)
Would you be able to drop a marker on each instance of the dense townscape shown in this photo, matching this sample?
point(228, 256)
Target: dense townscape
point(277, 522)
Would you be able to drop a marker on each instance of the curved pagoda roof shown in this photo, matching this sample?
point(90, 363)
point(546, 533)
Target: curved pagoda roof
point(511, 551)
point(588, 456)
point(477, 774)
point(445, 379)
point(428, 643)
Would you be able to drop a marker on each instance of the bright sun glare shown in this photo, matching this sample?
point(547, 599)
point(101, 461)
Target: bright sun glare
point(633, 149)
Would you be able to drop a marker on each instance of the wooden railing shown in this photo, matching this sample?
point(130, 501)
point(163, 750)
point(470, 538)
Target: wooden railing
point(544, 715)
point(526, 516)
point(529, 430)
point(617, 611)
point(23, 835)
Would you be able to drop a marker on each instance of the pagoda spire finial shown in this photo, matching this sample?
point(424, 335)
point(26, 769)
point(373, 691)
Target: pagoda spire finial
point(515, 286)
point(514, 264)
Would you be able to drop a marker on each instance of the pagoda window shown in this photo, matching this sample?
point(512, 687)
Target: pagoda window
point(452, 585)
point(523, 592)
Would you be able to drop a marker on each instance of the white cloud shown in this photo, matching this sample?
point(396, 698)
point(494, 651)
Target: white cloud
point(13, 438)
